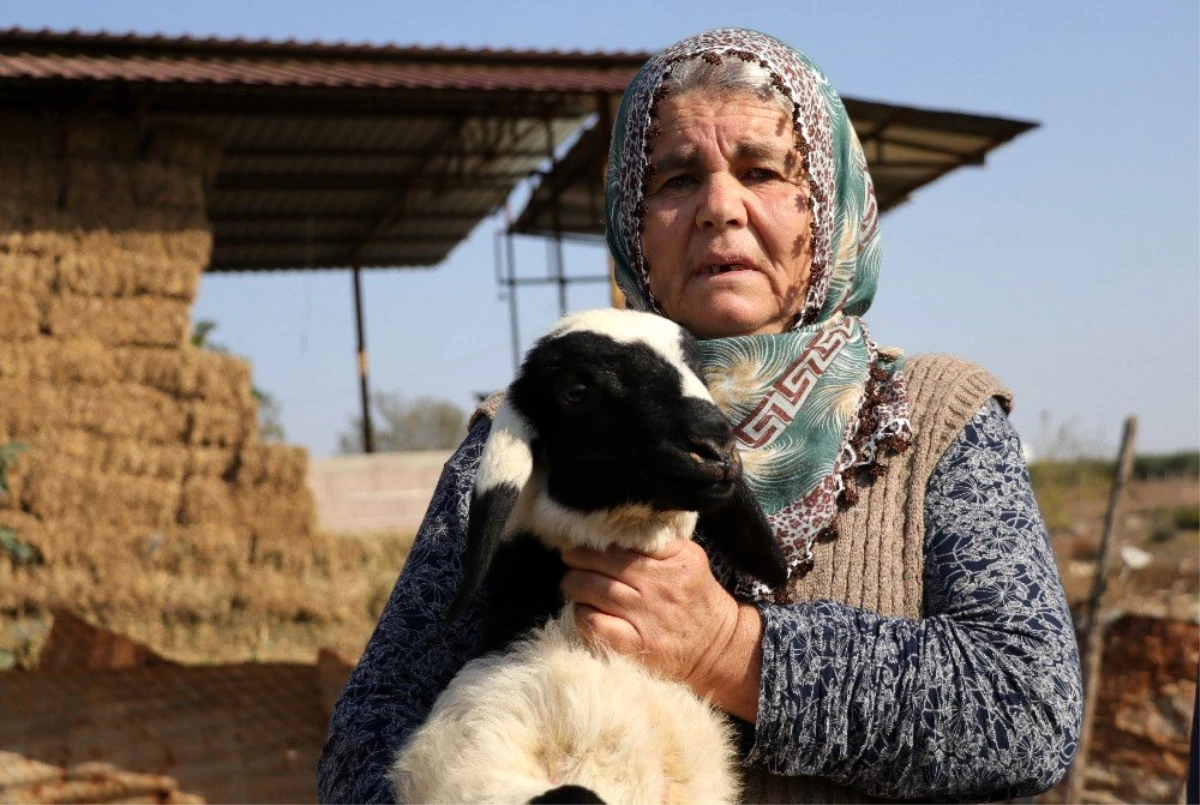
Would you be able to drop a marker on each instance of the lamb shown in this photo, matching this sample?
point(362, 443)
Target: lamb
point(607, 437)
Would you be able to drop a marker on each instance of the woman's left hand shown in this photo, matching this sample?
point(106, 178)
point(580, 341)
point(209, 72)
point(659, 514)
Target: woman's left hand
point(669, 611)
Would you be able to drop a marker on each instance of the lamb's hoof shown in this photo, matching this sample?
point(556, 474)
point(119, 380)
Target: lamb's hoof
point(567, 794)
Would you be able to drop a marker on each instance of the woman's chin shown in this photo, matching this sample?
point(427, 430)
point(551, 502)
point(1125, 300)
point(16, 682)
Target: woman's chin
point(724, 321)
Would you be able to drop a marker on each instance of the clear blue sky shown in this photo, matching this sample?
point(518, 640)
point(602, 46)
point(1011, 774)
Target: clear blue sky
point(1069, 265)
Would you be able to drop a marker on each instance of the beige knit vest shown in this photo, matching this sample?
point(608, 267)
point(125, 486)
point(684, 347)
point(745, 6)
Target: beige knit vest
point(877, 562)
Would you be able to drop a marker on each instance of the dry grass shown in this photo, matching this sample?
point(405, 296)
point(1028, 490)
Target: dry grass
point(226, 609)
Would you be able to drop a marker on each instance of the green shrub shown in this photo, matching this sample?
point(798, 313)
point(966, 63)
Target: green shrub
point(1187, 518)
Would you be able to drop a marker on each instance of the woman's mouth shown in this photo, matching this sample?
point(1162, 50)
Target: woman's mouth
point(717, 269)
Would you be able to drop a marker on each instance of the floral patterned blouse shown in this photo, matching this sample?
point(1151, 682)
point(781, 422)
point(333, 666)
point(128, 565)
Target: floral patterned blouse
point(979, 699)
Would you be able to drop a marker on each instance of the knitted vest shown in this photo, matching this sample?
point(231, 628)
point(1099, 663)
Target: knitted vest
point(877, 562)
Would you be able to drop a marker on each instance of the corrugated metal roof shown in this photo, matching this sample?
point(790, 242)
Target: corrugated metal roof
point(298, 72)
point(388, 155)
point(333, 153)
point(81, 41)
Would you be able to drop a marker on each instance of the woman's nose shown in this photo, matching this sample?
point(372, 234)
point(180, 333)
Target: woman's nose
point(721, 204)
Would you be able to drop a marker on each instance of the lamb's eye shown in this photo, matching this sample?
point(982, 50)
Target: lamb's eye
point(574, 394)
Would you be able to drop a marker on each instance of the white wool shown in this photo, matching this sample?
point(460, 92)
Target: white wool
point(634, 526)
point(506, 456)
point(551, 711)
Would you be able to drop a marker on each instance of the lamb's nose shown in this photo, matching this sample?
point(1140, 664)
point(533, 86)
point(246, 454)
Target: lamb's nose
point(717, 450)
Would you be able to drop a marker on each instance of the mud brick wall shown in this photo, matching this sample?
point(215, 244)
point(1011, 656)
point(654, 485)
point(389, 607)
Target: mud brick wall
point(1140, 736)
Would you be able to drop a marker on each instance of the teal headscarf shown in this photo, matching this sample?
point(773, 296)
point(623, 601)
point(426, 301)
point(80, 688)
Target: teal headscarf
point(814, 406)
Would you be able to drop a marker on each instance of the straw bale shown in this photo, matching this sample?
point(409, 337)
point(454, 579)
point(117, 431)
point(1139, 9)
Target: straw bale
point(210, 462)
point(36, 229)
point(206, 500)
point(57, 489)
point(190, 148)
point(102, 138)
point(128, 263)
point(189, 221)
point(189, 373)
point(32, 182)
point(23, 360)
point(28, 527)
point(279, 467)
point(98, 185)
point(271, 515)
point(19, 315)
point(57, 360)
point(168, 462)
point(159, 184)
point(32, 274)
point(87, 452)
point(28, 407)
point(124, 411)
point(191, 245)
point(210, 546)
point(120, 555)
point(26, 135)
point(212, 425)
point(143, 320)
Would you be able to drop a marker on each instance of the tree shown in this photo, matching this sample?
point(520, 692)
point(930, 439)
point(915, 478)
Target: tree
point(421, 423)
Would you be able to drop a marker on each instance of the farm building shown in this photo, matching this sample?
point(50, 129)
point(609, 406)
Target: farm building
point(139, 494)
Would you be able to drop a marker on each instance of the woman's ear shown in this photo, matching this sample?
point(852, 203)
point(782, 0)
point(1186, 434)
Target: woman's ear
point(740, 530)
point(504, 469)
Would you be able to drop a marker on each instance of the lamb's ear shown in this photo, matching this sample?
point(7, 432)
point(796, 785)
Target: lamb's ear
point(741, 531)
point(504, 469)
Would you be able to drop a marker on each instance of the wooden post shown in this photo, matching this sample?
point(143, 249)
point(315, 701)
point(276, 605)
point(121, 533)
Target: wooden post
point(1092, 623)
point(368, 437)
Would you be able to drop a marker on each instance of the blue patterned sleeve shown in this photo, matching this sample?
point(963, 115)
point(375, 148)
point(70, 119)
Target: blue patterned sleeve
point(979, 699)
point(413, 653)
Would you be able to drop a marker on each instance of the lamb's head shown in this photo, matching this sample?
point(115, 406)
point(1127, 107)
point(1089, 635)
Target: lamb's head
point(621, 419)
point(608, 436)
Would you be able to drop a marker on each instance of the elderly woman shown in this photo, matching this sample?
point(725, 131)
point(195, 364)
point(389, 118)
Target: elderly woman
point(922, 647)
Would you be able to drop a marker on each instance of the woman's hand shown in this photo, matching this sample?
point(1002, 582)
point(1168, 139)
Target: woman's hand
point(667, 610)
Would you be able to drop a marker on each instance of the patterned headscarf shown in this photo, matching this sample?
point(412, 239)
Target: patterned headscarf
point(814, 406)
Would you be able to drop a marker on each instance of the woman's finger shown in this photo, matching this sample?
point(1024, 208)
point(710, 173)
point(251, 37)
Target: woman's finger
point(599, 591)
point(602, 629)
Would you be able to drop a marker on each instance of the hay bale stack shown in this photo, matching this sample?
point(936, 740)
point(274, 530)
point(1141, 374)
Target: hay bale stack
point(19, 316)
point(144, 488)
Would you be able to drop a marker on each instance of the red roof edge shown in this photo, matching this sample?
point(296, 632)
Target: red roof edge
point(128, 43)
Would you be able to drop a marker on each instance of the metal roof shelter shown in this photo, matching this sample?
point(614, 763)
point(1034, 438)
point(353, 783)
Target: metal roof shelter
point(362, 156)
point(333, 155)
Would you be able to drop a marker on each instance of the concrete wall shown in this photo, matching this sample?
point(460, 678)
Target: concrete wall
point(379, 492)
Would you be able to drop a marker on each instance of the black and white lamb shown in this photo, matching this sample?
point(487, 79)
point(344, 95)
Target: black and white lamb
point(607, 437)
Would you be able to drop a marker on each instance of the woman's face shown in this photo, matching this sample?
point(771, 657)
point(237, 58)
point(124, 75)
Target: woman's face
point(727, 236)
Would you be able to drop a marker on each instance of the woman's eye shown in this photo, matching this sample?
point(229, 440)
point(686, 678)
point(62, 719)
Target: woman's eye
point(678, 181)
point(761, 174)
